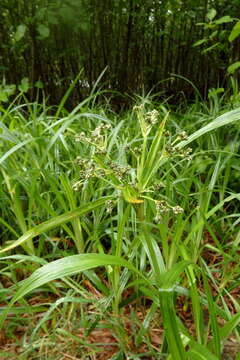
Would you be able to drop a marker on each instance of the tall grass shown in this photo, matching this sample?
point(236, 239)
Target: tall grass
point(125, 204)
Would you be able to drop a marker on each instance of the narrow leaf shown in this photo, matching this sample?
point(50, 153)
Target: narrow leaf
point(56, 221)
point(220, 121)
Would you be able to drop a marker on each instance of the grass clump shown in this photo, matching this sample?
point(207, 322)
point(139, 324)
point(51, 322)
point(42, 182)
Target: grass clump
point(118, 239)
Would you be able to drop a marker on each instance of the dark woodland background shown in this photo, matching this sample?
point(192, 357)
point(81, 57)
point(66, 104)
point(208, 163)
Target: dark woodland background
point(141, 43)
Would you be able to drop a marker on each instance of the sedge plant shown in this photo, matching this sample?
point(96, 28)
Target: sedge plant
point(133, 173)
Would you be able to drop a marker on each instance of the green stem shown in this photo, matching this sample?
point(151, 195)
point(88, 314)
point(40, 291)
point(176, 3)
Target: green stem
point(147, 239)
point(142, 164)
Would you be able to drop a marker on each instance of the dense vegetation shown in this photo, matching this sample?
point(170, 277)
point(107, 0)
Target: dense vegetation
point(119, 212)
point(141, 42)
point(117, 218)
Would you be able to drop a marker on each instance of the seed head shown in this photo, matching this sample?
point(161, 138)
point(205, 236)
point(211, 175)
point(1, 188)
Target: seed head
point(177, 210)
point(152, 117)
point(110, 206)
point(157, 219)
point(80, 137)
point(167, 133)
point(171, 150)
point(183, 135)
point(162, 206)
point(76, 186)
point(138, 107)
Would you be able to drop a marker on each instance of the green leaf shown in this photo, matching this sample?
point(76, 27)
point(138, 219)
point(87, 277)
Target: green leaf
point(170, 277)
point(213, 317)
point(131, 195)
point(39, 84)
point(199, 352)
point(13, 149)
point(213, 92)
point(43, 31)
point(220, 121)
point(170, 323)
point(20, 32)
point(235, 32)
point(224, 19)
point(153, 159)
point(200, 42)
point(210, 48)
point(226, 330)
point(52, 18)
point(3, 96)
point(9, 89)
point(56, 221)
point(213, 34)
point(211, 14)
point(6, 91)
point(67, 266)
point(233, 67)
point(24, 85)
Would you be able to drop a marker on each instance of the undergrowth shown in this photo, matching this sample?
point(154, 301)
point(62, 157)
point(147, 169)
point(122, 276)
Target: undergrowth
point(119, 233)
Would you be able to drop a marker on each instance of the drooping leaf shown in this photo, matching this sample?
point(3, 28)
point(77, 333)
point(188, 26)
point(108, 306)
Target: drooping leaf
point(235, 32)
point(224, 19)
point(13, 149)
point(55, 221)
point(233, 67)
point(200, 42)
point(225, 119)
point(64, 267)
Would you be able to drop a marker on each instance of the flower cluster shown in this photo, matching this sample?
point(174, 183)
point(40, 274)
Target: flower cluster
point(146, 119)
point(182, 136)
point(172, 151)
point(89, 167)
point(137, 150)
point(177, 209)
point(119, 171)
point(151, 117)
point(158, 186)
point(98, 137)
point(164, 207)
point(97, 132)
point(109, 206)
point(138, 107)
point(88, 170)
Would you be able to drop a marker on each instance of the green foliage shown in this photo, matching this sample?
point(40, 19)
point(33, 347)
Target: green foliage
point(233, 67)
point(120, 205)
point(219, 37)
point(20, 32)
point(235, 32)
point(6, 91)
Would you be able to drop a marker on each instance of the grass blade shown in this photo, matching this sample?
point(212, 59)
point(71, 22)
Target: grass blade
point(225, 119)
point(54, 222)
